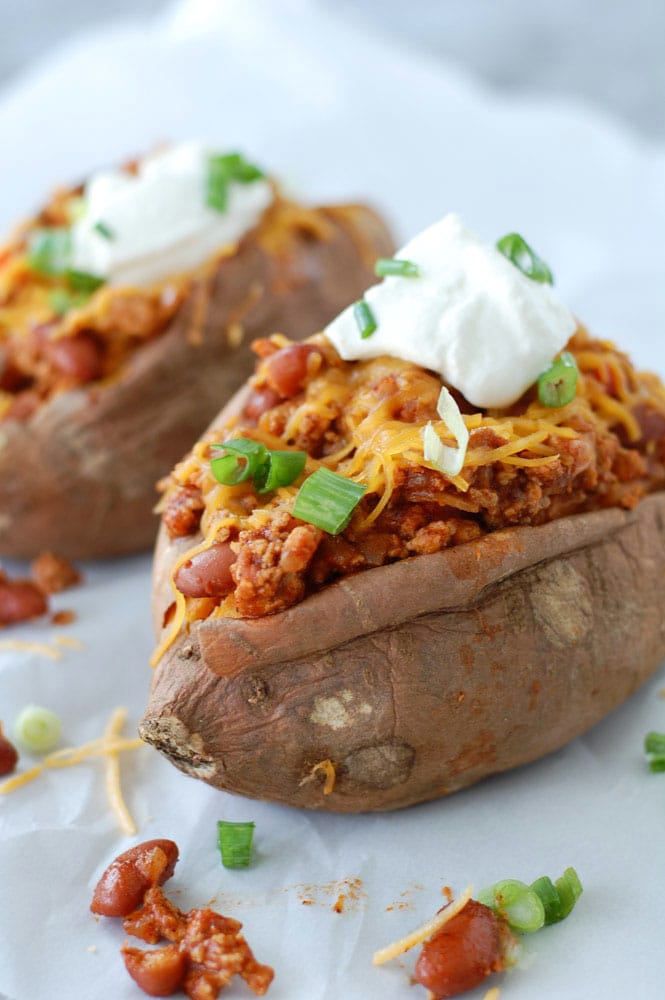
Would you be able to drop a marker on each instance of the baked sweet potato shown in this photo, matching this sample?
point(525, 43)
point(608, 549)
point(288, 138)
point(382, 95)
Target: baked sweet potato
point(376, 688)
point(95, 407)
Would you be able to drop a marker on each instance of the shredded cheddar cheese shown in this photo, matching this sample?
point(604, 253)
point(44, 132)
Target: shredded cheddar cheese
point(25, 646)
point(425, 932)
point(493, 994)
point(112, 766)
point(325, 768)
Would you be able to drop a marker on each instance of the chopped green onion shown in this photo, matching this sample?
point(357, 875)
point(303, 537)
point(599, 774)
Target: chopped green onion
point(364, 317)
point(37, 729)
point(516, 903)
point(62, 301)
point(235, 843)
point(558, 898)
point(654, 748)
point(49, 251)
point(283, 469)
point(556, 386)
point(245, 459)
point(387, 266)
point(248, 459)
point(104, 230)
point(327, 500)
point(81, 281)
point(569, 888)
point(517, 250)
point(223, 169)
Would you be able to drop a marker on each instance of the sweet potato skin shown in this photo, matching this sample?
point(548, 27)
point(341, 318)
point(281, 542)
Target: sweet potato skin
point(420, 677)
point(79, 476)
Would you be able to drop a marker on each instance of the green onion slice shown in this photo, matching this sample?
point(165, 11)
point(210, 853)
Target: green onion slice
point(223, 169)
point(517, 250)
point(389, 266)
point(557, 385)
point(235, 843)
point(654, 743)
point(569, 888)
point(284, 467)
point(62, 301)
point(247, 459)
point(365, 319)
point(327, 500)
point(558, 898)
point(49, 251)
point(654, 747)
point(37, 729)
point(104, 230)
point(448, 460)
point(82, 281)
point(516, 903)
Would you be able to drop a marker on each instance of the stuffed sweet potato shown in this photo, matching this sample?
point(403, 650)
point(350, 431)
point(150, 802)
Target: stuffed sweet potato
point(405, 631)
point(125, 323)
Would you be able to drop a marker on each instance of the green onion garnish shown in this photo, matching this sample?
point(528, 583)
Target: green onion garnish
point(104, 230)
point(387, 266)
point(284, 468)
point(247, 459)
point(235, 843)
point(62, 301)
point(327, 500)
point(223, 169)
point(556, 386)
point(81, 281)
point(654, 747)
point(516, 903)
point(364, 317)
point(49, 251)
point(569, 888)
point(37, 729)
point(517, 250)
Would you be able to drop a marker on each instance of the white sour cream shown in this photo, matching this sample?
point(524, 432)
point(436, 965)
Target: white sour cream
point(471, 316)
point(158, 221)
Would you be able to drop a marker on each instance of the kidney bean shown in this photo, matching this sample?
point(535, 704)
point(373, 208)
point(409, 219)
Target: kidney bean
point(20, 600)
point(127, 879)
point(78, 358)
point(8, 755)
point(207, 574)
point(462, 954)
point(287, 369)
point(159, 973)
point(260, 401)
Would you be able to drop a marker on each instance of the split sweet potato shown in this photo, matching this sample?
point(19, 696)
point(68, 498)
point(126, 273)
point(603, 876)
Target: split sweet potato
point(417, 678)
point(78, 475)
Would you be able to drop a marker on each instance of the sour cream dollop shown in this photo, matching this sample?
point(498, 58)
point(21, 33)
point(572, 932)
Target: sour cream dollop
point(139, 229)
point(471, 316)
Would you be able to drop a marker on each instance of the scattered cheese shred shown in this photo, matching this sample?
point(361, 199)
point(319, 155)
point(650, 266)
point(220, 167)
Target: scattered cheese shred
point(425, 932)
point(108, 745)
point(112, 765)
point(327, 768)
point(493, 994)
point(24, 646)
point(68, 641)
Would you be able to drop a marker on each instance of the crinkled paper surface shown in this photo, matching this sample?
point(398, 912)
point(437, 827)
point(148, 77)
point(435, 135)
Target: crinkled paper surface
point(339, 114)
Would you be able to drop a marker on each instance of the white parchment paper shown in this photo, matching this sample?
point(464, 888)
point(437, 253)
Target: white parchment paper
point(339, 114)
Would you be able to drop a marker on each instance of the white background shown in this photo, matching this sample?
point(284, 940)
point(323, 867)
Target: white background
point(339, 113)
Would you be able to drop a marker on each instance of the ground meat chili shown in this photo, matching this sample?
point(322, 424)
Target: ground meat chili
point(524, 466)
